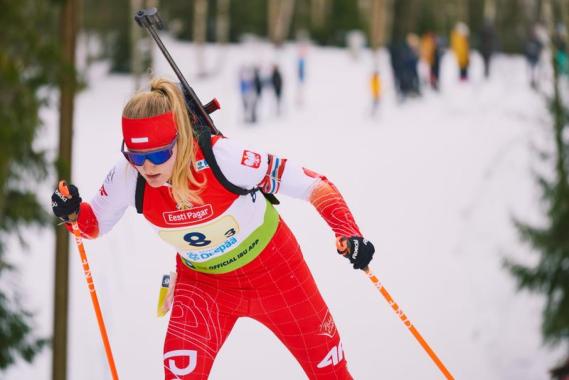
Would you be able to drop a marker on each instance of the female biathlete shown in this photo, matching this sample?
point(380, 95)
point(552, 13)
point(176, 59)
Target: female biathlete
point(236, 256)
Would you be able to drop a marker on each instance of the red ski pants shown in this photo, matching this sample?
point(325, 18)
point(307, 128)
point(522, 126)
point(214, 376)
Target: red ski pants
point(276, 289)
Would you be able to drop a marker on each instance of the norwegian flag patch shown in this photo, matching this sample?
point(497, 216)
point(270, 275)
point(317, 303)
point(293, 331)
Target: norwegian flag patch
point(272, 180)
point(251, 159)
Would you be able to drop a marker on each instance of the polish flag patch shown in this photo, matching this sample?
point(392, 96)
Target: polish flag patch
point(251, 159)
point(139, 140)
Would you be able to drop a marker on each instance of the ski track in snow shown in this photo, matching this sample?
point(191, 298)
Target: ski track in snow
point(433, 182)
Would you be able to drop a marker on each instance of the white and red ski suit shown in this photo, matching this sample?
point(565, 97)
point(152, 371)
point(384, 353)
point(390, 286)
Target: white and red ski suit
point(236, 258)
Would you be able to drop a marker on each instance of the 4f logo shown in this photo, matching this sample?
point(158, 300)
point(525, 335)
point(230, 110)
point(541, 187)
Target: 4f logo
point(335, 356)
point(182, 356)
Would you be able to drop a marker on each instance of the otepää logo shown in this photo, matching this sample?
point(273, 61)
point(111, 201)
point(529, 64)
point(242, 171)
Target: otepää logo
point(328, 327)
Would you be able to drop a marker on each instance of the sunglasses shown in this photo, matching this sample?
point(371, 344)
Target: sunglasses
point(157, 157)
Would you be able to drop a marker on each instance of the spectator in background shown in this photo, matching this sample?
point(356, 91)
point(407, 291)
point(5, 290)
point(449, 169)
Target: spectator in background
point(410, 65)
point(436, 66)
point(461, 48)
point(277, 82)
point(560, 48)
point(301, 66)
point(247, 92)
point(258, 91)
point(431, 56)
point(395, 49)
point(533, 49)
point(301, 72)
point(404, 60)
point(487, 45)
point(375, 87)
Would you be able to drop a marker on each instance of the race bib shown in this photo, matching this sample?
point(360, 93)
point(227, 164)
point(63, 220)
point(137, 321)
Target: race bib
point(203, 237)
point(232, 253)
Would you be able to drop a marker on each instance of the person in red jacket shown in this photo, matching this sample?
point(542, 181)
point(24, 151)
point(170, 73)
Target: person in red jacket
point(236, 256)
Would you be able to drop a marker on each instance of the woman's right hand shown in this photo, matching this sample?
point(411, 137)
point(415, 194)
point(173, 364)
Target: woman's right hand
point(356, 249)
point(66, 205)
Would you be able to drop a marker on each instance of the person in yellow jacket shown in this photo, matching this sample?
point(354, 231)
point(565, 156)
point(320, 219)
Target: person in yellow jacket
point(431, 56)
point(375, 87)
point(427, 48)
point(461, 48)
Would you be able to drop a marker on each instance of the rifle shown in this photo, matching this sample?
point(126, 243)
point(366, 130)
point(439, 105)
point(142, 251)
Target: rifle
point(199, 113)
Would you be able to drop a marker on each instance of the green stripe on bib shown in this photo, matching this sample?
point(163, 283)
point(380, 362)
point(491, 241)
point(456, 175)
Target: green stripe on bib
point(245, 252)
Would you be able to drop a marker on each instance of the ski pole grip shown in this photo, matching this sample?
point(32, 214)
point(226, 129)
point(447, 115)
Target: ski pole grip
point(148, 17)
point(63, 189)
point(342, 245)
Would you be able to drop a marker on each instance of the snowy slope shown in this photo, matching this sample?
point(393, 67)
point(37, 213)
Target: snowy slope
point(432, 182)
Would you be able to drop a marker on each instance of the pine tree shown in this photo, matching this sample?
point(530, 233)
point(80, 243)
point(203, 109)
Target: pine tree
point(27, 64)
point(551, 274)
point(120, 52)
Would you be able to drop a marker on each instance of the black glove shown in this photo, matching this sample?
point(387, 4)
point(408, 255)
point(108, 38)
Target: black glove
point(64, 206)
point(356, 249)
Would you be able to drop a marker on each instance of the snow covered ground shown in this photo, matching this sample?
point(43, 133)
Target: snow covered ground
point(432, 182)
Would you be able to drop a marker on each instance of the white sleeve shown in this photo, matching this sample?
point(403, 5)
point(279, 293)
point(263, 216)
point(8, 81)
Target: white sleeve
point(248, 169)
point(114, 196)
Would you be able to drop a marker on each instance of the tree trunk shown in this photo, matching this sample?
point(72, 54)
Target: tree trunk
point(136, 35)
point(141, 44)
point(547, 14)
point(378, 21)
point(565, 12)
point(462, 11)
point(490, 10)
point(318, 12)
point(151, 4)
point(559, 122)
point(199, 33)
point(222, 21)
point(280, 17)
point(68, 35)
point(405, 16)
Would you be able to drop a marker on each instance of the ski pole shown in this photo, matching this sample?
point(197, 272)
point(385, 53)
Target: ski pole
point(408, 323)
point(79, 242)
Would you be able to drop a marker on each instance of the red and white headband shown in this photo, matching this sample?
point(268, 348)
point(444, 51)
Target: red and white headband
point(149, 132)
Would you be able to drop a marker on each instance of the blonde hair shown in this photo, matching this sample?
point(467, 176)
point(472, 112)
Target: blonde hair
point(165, 96)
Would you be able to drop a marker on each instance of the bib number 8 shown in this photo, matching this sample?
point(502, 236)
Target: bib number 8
point(201, 237)
point(196, 239)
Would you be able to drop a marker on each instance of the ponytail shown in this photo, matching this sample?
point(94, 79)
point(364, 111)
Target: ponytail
point(164, 96)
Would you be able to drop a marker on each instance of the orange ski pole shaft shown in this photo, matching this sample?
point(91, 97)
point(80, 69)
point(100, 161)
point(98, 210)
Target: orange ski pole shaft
point(408, 323)
point(95, 300)
point(342, 247)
